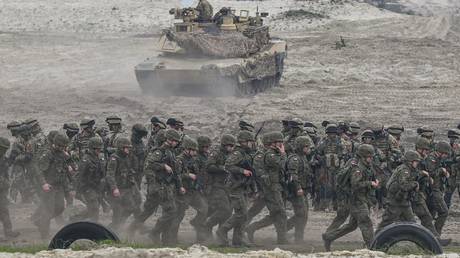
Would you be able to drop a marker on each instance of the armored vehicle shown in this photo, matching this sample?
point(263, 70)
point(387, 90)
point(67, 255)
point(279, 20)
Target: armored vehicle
point(220, 55)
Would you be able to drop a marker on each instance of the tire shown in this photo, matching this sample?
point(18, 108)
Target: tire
point(81, 230)
point(412, 232)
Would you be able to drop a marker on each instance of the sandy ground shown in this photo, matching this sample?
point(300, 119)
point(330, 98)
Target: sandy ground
point(62, 61)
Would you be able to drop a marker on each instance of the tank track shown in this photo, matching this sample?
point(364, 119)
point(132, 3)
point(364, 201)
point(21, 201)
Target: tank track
point(256, 86)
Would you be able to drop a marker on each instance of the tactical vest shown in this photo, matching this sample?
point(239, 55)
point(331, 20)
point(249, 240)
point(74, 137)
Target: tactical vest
point(383, 144)
point(333, 152)
point(124, 172)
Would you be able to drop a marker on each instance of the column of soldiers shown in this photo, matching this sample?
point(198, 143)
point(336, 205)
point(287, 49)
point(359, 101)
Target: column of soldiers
point(348, 170)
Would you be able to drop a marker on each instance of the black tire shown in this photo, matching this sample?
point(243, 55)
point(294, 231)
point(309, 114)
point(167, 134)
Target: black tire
point(81, 230)
point(412, 232)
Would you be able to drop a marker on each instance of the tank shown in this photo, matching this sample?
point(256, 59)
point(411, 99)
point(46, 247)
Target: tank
point(226, 54)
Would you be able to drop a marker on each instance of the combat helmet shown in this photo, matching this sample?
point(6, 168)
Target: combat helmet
point(422, 143)
point(245, 136)
point(87, 123)
point(51, 136)
point(368, 134)
point(365, 150)
point(140, 130)
point(189, 144)
point(331, 129)
point(61, 140)
point(203, 141)
point(172, 135)
point(412, 156)
point(227, 139)
point(443, 147)
point(273, 137)
point(302, 142)
point(4, 143)
point(123, 142)
point(113, 120)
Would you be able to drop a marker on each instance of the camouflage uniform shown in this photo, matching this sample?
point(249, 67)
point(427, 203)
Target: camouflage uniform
point(219, 202)
point(157, 132)
point(121, 176)
point(419, 202)
point(238, 162)
point(300, 176)
point(139, 150)
point(186, 167)
point(362, 177)
point(332, 153)
point(79, 144)
point(116, 131)
point(454, 179)
point(436, 203)
point(205, 10)
point(4, 187)
point(162, 188)
point(91, 180)
point(401, 186)
point(272, 181)
point(54, 171)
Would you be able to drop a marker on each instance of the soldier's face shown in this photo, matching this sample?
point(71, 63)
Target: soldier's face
point(126, 150)
point(192, 153)
point(415, 163)
point(444, 155)
point(229, 148)
point(205, 149)
point(97, 151)
point(306, 150)
point(367, 140)
point(369, 159)
point(173, 143)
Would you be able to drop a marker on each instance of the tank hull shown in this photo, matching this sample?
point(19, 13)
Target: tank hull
point(185, 76)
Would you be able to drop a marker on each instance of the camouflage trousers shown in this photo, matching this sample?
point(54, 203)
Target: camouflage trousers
point(342, 214)
point(92, 199)
point(395, 213)
point(5, 212)
point(219, 207)
point(127, 204)
point(238, 219)
point(423, 213)
point(52, 205)
point(359, 218)
point(198, 202)
point(438, 209)
point(299, 220)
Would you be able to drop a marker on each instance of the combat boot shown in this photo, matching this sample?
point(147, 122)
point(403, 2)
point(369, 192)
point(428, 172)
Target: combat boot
point(222, 236)
point(327, 243)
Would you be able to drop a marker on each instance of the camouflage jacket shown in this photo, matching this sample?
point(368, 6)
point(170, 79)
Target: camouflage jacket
point(54, 169)
point(238, 161)
point(121, 171)
point(92, 171)
point(361, 179)
point(435, 169)
point(401, 185)
point(215, 168)
point(274, 166)
point(154, 167)
point(79, 144)
point(186, 165)
point(299, 172)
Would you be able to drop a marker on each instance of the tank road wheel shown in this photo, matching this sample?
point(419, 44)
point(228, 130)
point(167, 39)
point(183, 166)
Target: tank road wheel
point(411, 232)
point(79, 231)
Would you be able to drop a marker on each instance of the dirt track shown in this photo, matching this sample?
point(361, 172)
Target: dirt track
point(395, 69)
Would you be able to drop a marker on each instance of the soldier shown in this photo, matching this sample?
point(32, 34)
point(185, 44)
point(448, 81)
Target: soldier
point(272, 182)
point(295, 130)
point(71, 129)
point(178, 126)
point(285, 130)
point(204, 145)
point(15, 128)
point(454, 179)
point(438, 170)
point(121, 178)
point(219, 202)
point(239, 166)
point(367, 137)
point(353, 135)
point(427, 133)
point(419, 200)
point(156, 133)
point(387, 151)
point(332, 153)
point(79, 144)
point(187, 169)
point(362, 182)
point(138, 133)
point(311, 131)
point(54, 180)
point(163, 182)
point(116, 131)
point(245, 126)
point(24, 164)
point(4, 187)
point(396, 131)
point(300, 178)
point(205, 11)
point(401, 187)
point(90, 180)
